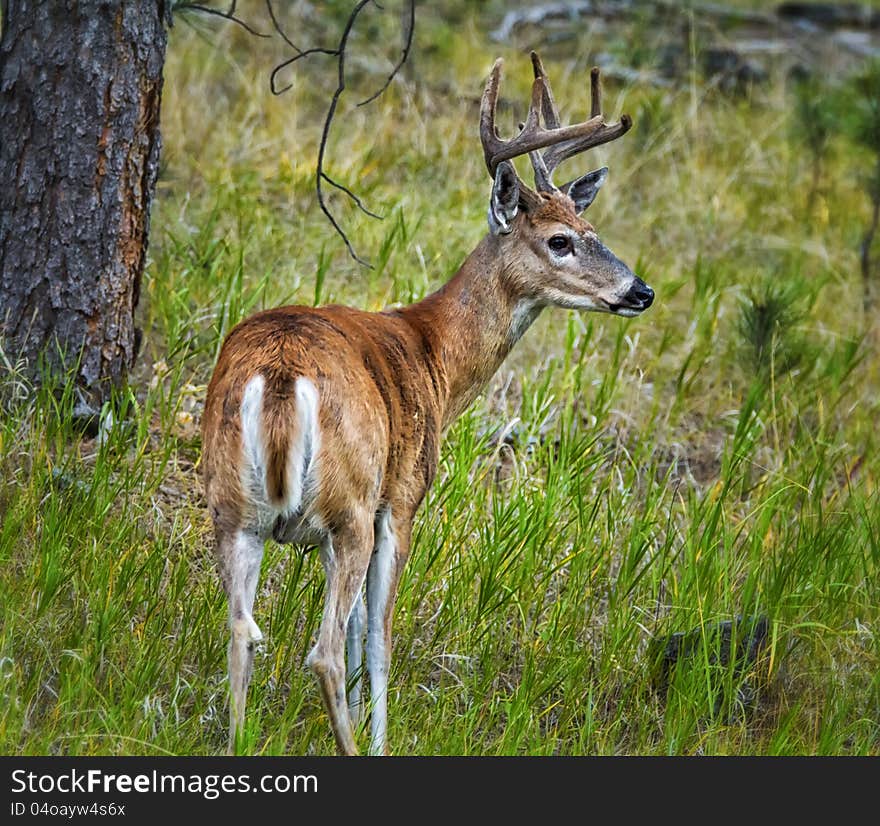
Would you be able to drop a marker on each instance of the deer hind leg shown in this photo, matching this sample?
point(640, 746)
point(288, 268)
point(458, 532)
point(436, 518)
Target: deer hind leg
point(390, 553)
point(242, 554)
point(345, 557)
point(354, 658)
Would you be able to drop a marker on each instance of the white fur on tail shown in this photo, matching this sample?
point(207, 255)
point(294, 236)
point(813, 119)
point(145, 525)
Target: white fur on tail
point(305, 444)
point(253, 467)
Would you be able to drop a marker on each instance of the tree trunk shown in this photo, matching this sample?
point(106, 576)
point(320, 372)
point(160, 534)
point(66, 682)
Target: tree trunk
point(80, 87)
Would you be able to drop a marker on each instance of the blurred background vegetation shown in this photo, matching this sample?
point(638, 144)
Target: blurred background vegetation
point(657, 535)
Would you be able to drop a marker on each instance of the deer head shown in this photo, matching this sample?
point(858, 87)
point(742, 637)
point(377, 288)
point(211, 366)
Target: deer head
point(552, 255)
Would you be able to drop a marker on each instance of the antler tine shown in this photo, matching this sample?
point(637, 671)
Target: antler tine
point(495, 149)
point(488, 132)
point(595, 93)
point(533, 136)
point(603, 133)
point(548, 110)
point(543, 178)
point(600, 132)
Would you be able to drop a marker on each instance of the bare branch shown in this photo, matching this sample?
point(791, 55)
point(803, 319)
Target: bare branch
point(226, 15)
point(285, 63)
point(321, 175)
point(277, 27)
point(407, 45)
point(351, 195)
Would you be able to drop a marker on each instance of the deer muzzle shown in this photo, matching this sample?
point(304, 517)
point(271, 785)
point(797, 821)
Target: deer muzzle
point(635, 300)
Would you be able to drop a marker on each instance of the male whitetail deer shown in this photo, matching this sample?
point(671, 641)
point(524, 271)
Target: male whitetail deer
point(322, 426)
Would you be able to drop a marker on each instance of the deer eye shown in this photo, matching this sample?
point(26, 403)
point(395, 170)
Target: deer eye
point(560, 244)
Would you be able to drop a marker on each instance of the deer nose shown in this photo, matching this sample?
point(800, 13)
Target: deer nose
point(640, 294)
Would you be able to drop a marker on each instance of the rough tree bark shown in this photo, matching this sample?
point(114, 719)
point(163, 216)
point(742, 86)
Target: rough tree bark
point(80, 88)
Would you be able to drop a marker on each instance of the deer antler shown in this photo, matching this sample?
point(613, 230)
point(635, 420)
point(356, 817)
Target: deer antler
point(560, 142)
point(560, 151)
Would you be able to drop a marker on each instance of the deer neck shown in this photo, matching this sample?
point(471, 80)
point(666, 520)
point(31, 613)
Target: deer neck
point(472, 323)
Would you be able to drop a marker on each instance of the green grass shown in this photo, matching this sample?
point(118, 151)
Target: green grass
point(714, 458)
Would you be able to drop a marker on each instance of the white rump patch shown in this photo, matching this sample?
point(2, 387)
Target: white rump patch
point(253, 469)
point(303, 448)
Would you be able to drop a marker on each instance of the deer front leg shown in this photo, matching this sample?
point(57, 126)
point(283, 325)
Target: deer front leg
point(345, 556)
point(390, 553)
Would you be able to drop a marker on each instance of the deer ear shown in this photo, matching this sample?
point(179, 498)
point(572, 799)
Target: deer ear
point(504, 202)
point(584, 190)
